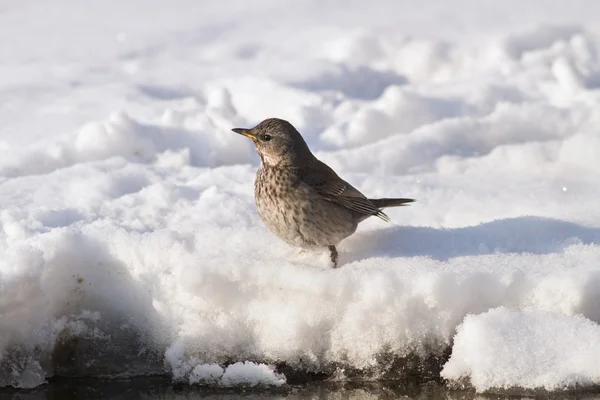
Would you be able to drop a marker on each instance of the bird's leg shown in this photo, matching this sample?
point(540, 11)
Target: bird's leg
point(302, 251)
point(334, 255)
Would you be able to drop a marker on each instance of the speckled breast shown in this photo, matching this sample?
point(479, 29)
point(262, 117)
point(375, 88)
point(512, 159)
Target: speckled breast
point(296, 213)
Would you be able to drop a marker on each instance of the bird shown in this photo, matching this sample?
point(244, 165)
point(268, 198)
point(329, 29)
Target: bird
point(301, 199)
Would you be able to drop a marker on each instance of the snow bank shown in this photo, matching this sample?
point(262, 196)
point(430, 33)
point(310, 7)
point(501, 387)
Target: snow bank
point(130, 243)
point(501, 349)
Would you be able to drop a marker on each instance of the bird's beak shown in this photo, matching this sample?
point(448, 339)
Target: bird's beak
point(245, 132)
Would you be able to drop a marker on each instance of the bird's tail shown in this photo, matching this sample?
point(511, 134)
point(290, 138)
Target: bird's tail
point(383, 203)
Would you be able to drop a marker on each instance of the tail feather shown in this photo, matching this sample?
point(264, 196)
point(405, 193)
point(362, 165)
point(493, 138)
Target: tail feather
point(383, 203)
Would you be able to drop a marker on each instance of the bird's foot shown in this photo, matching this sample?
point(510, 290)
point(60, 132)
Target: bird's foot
point(333, 254)
point(302, 251)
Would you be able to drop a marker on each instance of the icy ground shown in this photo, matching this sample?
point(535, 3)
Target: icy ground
point(130, 243)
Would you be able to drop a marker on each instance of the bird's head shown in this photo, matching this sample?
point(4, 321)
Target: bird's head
point(278, 143)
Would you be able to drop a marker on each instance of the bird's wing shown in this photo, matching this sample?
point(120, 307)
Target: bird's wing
point(333, 188)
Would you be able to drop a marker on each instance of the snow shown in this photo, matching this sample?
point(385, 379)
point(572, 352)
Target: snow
point(130, 243)
point(562, 350)
point(238, 374)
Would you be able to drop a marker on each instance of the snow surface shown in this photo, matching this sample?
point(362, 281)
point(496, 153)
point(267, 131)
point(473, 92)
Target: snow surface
point(130, 243)
point(489, 349)
point(238, 374)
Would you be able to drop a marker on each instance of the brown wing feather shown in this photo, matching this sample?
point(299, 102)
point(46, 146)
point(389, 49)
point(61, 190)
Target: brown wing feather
point(333, 188)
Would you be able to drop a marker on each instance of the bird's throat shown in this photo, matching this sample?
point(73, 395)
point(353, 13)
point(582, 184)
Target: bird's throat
point(269, 161)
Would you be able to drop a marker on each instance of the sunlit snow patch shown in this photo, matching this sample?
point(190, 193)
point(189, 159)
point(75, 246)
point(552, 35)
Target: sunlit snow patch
point(507, 349)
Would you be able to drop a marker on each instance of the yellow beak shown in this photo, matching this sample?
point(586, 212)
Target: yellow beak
point(245, 132)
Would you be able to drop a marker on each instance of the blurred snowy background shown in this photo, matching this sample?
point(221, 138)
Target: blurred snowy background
point(130, 243)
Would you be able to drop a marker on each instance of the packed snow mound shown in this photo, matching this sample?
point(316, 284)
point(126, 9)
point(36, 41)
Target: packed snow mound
point(561, 351)
point(130, 243)
point(238, 374)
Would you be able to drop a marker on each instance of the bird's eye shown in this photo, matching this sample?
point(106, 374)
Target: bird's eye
point(266, 138)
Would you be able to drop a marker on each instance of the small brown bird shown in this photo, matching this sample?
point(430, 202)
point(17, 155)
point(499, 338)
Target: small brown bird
point(299, 198)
